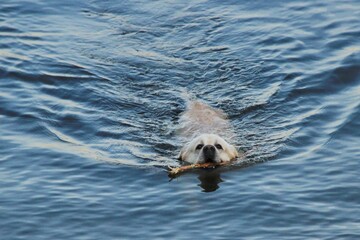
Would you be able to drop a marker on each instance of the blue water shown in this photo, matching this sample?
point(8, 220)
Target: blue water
point(90, 96)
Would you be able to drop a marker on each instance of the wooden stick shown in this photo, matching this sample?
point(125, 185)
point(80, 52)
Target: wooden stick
point(178, 170)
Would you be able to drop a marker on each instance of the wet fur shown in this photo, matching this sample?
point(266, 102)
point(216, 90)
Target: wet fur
point(202, 124)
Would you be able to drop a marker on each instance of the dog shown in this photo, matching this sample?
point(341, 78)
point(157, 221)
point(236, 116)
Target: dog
point(203, 125)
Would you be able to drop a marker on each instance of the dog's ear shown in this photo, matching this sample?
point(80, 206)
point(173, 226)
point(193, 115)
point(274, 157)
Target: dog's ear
point(233, 152)
point(183, 153)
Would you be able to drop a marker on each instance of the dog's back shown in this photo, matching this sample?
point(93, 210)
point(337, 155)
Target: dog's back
point(200, 118)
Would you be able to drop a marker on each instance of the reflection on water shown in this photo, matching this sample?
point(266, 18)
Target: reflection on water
point(210, 180)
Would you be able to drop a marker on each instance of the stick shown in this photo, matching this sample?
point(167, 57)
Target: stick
point(178, 170)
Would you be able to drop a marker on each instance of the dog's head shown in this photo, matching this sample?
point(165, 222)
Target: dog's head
point(208, 148)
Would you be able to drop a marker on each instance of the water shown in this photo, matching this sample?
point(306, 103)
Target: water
point(91, 92)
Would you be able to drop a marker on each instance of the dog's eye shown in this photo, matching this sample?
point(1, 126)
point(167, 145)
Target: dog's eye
point(218, 146)
point(200, 146)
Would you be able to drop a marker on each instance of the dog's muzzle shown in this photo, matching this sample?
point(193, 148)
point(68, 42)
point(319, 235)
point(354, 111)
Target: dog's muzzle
point(209, 153)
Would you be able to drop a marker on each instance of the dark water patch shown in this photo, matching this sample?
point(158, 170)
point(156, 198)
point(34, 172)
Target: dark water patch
point(8, 29)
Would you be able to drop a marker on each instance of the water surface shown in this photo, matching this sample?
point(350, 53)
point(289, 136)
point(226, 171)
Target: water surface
point(90, 97)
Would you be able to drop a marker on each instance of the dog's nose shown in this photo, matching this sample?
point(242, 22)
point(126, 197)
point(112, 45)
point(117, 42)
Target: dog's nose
point(209, 153)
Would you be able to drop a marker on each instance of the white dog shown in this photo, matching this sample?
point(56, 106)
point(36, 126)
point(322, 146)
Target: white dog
point(203, 124)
